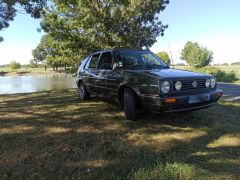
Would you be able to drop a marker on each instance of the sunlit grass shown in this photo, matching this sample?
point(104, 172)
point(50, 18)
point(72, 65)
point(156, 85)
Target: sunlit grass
point(171, 172)
point(54, 135)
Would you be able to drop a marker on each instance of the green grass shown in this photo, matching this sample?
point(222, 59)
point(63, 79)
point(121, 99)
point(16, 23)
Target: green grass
point(224, 76)
point(54, 135)
point(7, 69)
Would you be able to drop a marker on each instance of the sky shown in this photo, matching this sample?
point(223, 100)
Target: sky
point(211, 23)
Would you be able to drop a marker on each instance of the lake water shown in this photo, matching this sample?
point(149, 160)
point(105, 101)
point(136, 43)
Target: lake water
point(35, 83)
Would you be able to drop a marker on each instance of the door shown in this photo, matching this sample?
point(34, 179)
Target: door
point(91, 73)
point(106, 75)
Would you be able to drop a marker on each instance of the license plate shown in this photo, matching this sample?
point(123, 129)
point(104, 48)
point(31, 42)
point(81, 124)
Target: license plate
point(198, 98)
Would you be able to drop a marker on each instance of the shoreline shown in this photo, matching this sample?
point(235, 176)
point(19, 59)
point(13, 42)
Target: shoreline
point(33, 73)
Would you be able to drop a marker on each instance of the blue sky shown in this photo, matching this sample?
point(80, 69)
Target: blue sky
point(212, 23)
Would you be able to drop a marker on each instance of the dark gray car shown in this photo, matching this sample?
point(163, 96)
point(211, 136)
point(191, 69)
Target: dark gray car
point(138, 78)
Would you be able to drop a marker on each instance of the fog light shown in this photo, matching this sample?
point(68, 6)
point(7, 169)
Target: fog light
point(170, 100)
point(178, 85)
point(207, 83)
point(213, 82)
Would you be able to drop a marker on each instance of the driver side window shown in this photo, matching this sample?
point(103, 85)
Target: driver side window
point(105, 61)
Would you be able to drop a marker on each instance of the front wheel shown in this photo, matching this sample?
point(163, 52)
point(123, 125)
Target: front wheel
point(129, 104)
point(83, 93)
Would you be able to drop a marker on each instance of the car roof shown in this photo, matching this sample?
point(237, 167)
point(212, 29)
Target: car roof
point(120, 49)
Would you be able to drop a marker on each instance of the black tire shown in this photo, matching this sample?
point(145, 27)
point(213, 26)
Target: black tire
point(129, 103)
point(83, 93)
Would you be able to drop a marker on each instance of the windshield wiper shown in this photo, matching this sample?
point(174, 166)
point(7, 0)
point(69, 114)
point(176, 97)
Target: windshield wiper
point(148, 66)
point(154, 65)
point(166, 67)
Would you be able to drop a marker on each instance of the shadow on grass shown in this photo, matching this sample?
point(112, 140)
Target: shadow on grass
point(54, 135)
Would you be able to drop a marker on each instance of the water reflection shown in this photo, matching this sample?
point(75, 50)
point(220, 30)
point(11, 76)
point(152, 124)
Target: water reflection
point(25, 84)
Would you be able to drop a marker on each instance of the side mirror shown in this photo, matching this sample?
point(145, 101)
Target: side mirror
point(115, 66)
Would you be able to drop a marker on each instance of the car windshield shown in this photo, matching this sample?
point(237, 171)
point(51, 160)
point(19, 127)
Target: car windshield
point(139, 60)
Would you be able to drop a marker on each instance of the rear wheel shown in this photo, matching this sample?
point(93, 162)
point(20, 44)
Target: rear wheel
point(83, 93)
point(129, 104)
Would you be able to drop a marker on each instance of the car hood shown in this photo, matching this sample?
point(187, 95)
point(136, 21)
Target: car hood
point(171, 73)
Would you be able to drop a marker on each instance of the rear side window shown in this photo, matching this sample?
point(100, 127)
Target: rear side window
point(105, 61)
point(93, 61)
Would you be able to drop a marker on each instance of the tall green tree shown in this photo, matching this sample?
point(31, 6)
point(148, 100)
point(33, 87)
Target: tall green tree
point(9, 9)
point(164, 56)
point(52, 52)
point(85, 26)
point(195, 55)
point(42, 50)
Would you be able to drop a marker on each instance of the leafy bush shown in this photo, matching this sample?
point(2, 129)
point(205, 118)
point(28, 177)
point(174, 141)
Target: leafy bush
point(219, 74)
point(236, 63)
point(14, 65)
point(224, 64)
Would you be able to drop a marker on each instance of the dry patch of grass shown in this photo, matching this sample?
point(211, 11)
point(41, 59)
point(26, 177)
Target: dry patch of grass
point(227, 140)
point(53, 135)
point(16, 129)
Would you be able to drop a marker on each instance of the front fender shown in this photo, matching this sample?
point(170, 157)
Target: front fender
point(78, 81)
point(126, 84)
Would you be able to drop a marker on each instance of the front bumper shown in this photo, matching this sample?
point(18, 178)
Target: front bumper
point(180, 103)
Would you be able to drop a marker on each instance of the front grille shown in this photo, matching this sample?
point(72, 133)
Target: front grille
point(187, 85)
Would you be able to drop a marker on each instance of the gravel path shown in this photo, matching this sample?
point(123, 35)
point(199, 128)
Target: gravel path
point(231, 92)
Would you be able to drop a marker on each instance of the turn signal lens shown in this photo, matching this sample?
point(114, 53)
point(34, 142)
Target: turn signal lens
point(170, 100)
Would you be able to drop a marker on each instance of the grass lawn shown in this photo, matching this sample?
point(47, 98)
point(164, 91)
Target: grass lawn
point(54, 135)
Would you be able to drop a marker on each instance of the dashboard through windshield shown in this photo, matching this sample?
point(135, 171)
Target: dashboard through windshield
point(139, 60)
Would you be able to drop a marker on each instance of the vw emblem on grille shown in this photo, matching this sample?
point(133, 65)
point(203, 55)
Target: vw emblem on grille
point(194, 84)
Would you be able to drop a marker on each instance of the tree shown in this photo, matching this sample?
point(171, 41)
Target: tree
point(164, 56)
point(84, 26)
point(33, 63)
point(195, 55)
point(51, 51)
point(42, 50)
point(9, 9)
point(14, 65)
point(224, 64)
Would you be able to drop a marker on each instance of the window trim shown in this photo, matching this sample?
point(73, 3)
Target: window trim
point(84, 62)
